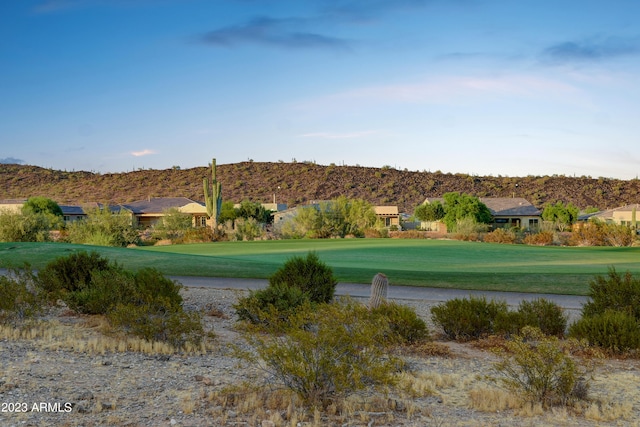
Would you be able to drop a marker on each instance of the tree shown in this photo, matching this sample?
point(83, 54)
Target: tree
point(227, 212)
point(104, 228)
point(213, 196)
point(429, 211)
point(459, 206)
point(254, 210)
point(41, 205)
point(359, 215)
point(173, 224)
point(27, 227)
point(561, 215)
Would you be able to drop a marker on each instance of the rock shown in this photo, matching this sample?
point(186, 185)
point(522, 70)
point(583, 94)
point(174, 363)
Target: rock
point(83, 407)
point(84, 395)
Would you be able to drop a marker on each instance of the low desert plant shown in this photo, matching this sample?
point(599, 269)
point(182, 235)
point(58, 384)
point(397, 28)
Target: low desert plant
point(153, 322)
point(144, 303)
point(326, 352)
point(544, 315)
point(615, 292)
point(463, 319)
point(537, 368)
point(597, 233)
point(299, 280)
point(20, 297)
point(616, 331)
point(310, 275)
point(542, 238)
point(72, 272)
point(501, 235)
point(405, 327)
point(102, 292)
point(256, 306)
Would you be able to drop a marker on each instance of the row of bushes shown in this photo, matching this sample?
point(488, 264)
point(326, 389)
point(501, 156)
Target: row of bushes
point(143, 303)
point(464, 319)
point(589, 234)
point(610, 319)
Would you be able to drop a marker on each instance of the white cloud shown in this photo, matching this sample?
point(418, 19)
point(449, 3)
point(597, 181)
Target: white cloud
point(144, 152)
point(457, 90)
point(344, 135)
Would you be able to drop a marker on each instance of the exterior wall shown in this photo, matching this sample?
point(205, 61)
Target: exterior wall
point(524, 222)
point(12, 206)
point(437, 226)
point(623, 217)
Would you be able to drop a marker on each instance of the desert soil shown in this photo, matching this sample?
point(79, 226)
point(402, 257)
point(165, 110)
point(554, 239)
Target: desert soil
point(48, 381)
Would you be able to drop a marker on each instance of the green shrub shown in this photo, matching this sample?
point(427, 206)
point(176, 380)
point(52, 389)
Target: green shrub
point(279, 298)
point(102, 292)
point(404, 324)
point(72, 272)
point(615, 292)
point(465, 319)
point(143, 303)
point(108, 288)
point(537, 368)
point(299, 280)
point(310, 275)
point(20, 298)
point(326, 352)
point(616, 331)
point(152, 287)
point(544, 315)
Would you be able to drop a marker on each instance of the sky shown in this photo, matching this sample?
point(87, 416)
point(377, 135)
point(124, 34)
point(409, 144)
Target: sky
point(481, 87)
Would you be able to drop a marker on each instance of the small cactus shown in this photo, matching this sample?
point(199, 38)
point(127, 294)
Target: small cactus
point(379, 287)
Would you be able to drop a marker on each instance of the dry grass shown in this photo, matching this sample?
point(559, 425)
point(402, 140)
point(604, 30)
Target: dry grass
point(93, 336)
point(491, 399)
point(283, 407)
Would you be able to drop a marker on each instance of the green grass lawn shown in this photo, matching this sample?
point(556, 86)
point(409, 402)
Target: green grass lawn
point(435, 263)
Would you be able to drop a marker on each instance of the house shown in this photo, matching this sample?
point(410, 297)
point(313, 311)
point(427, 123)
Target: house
point(513, 212)
point(147, 212)
point(507, 212)
point(389, 215)
point(12, 205)
point(72, 213)
point(624, 215)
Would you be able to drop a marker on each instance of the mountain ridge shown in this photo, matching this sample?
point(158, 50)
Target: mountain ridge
point(301, 182)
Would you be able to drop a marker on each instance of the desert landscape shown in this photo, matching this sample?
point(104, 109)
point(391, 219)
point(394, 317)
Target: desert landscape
point(69, 374)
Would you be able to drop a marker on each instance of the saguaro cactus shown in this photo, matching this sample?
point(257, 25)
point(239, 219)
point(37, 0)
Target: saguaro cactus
point(379, 286)
point(213, 196)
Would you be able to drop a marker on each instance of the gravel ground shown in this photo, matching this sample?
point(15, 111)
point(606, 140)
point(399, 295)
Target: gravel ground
point(52, 382)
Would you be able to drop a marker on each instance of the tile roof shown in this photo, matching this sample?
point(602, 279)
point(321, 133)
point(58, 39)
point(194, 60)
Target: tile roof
point(158, 204)
point(502, 206)
point(510, 206)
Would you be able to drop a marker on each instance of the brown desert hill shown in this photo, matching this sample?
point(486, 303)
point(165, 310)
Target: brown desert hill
point(299, 183)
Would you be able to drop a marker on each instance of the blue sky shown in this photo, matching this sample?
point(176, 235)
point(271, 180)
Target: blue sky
point(493, 87)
